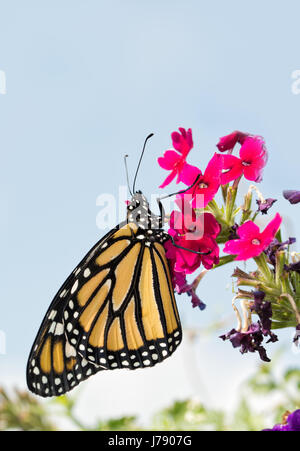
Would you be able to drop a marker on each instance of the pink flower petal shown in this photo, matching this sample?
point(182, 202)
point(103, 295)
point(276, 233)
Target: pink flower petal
point(189, 174)
point(270, 230)
point(214, 169)
point(253, 173)
point(211, 225)
point(186, 261)
point(209, 244)
point(208, 185)
point(228, 142)
point(248, 230)
point(243, 249)
point(169, 160)
point(249, 251)
point(232, 169)
point(203, 196)
point(169, 179)
point(253, 148)
point(177, 222)
point(252, 243)
point(254, 158)
point(183, 141)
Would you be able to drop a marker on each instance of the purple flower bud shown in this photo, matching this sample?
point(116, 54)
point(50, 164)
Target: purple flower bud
point(182, 286)
point(292, 196)
point(275, 247)
point(297, 335)
point(293, 267)
point(196, 301)
point(263, 207)
point(251, 340)
point(291, 422)
point(263, 310)
point(233, 232)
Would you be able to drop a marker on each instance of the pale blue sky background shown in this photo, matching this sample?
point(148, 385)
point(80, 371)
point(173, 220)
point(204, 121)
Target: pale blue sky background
point(86, 82)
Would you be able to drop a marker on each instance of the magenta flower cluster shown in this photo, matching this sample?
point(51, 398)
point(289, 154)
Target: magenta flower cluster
point(202, 187)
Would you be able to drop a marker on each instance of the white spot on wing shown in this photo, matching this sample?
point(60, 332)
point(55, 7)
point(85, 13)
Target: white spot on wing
point(74, 287)
point(52, 328)
point(84, 363)
point(87, 272)
point(70, 350)
point(63, 293)
point(52, 314)
point(59, 330)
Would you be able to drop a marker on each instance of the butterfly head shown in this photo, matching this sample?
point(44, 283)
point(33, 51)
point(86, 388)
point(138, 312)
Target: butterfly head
point(138, 212)
point(138, 202)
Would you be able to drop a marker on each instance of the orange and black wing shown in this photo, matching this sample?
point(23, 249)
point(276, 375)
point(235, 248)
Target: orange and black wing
point(123, 312)
point(54, 365)
point(116, 310)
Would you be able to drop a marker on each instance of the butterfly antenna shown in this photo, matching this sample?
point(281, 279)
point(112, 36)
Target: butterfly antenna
point(127, 175)
point(141, 157)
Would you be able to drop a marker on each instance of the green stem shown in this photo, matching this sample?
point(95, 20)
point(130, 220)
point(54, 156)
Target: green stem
point(224, 192)
point(280, 261)
point(230, 204)
point(293, 304)
point(213, 208)
point(262, 264)
point(224, 260)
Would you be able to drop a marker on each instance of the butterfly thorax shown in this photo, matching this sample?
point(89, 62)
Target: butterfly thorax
point(149, 224)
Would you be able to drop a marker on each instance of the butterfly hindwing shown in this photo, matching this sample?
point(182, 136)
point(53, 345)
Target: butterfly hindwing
point(54, 365)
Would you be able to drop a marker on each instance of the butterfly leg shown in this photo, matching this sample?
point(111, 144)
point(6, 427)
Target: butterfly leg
point(162, 216)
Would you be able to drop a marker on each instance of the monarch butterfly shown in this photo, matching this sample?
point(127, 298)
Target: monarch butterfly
point(116, 310)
